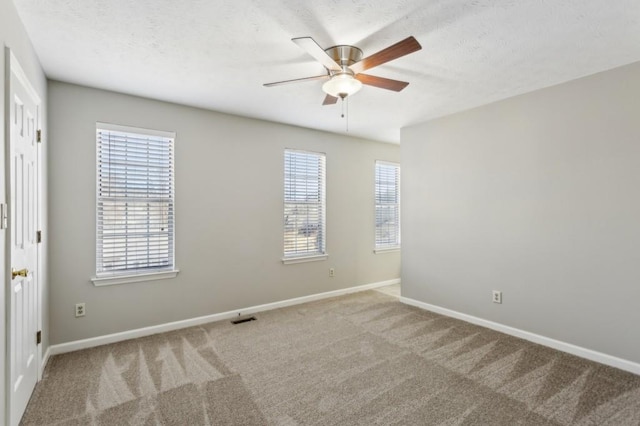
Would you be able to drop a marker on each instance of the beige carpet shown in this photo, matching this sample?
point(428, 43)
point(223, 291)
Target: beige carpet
point(360, 359)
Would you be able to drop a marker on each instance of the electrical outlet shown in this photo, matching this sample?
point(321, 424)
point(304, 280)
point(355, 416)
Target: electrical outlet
point(332, 272)
point(80, 310)
point(497, 296)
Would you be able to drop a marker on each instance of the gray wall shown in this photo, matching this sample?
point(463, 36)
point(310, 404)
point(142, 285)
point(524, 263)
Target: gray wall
point(537, 196)
point(229, 201)
point(13, 35)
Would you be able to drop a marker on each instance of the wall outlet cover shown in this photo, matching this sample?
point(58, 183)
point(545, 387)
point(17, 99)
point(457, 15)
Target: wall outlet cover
point(80, 310)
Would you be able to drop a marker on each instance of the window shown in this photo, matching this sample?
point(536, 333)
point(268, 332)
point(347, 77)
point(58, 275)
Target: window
point(304, 204)
point(135, 203)
point(387, 189)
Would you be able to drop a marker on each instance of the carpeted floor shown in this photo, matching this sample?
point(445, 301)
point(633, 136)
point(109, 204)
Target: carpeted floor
point(363, 358)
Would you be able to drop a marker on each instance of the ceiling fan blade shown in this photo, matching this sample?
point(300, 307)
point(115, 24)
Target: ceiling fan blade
point(381, 82)
point(312, 48)
point(329, 100)
point(402, 48)
point(296, 80)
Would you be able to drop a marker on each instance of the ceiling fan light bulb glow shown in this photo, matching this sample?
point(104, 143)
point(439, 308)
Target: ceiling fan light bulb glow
point(341, 86)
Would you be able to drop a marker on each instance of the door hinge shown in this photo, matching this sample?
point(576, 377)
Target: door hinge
point(3, 216)
point(39, 236)
point(39, 135)
point(39, 337)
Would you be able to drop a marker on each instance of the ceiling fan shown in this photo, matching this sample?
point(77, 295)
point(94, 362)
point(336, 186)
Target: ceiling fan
point(345, 65)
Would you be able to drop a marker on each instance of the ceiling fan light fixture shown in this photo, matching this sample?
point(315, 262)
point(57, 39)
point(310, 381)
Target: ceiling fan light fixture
point(342, 85)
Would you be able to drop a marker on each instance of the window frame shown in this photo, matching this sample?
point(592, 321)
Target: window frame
point(394, 247)
point(322, 253)
point(134, 275)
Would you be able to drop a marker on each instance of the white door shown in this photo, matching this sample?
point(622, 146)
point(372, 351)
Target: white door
point(23, 306)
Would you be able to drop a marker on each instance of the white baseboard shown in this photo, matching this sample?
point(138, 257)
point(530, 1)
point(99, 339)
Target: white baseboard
point(589, 354)
point(176, 325)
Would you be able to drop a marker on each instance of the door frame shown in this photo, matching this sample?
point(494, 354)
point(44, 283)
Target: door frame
point(12, 67)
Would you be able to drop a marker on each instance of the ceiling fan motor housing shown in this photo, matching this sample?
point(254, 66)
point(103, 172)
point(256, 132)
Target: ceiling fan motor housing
point(344, 55)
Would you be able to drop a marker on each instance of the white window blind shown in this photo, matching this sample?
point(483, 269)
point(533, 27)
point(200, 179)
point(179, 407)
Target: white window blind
point(135, 201)
point(304, 203)
point(387, 192)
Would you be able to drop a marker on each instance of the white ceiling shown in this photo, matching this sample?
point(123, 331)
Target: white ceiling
point(216, 54)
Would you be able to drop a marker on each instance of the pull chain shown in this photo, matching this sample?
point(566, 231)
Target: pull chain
point(344, 96)
point(343, 115)
point(347, 120)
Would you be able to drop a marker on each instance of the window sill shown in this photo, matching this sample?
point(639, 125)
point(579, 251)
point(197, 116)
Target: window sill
point(387, 250)
point(303, 259)
point(125, 279)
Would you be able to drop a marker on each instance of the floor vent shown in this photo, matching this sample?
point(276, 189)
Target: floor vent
point(243, 319)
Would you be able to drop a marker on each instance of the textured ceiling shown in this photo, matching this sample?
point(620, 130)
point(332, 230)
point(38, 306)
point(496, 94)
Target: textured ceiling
point(217, 54)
